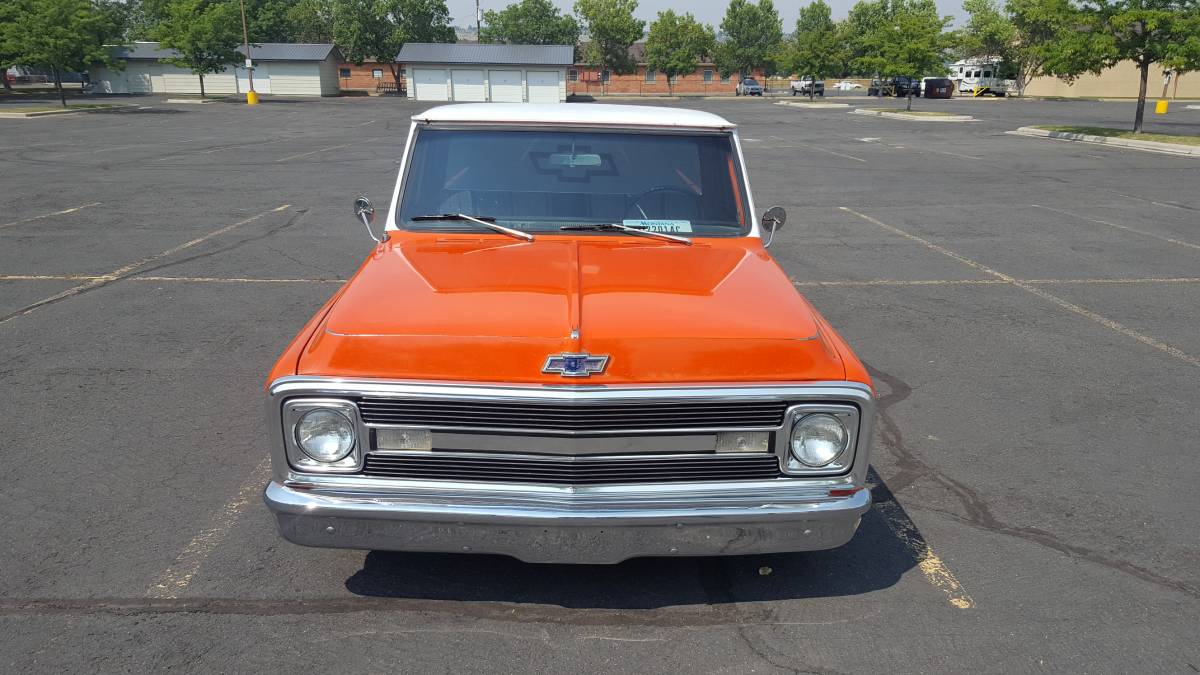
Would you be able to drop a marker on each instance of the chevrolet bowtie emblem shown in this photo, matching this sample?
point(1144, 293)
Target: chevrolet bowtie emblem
point(575, 365)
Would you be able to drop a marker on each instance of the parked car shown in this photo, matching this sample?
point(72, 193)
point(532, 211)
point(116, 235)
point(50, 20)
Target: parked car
point(804, 87)
point(583, 354)
point(937, 87)
point(847, 85)
point(903, 86)
point(748, 87)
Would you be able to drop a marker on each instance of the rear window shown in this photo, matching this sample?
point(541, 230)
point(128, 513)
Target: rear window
point(539, 180)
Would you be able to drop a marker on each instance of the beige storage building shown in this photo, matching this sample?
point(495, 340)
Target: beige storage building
point(485, 72)
point(1120, 81)
point(279, 69)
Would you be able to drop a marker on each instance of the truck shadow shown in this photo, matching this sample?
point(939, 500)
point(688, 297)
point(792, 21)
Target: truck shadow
point(874, 559)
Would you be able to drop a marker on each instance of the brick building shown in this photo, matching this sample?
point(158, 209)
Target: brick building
point(371, 77)
point(707, 80)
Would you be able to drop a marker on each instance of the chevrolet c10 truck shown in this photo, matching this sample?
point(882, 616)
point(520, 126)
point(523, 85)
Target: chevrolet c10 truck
point(571, 345)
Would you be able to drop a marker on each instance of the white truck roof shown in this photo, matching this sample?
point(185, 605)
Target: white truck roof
point(574, 114)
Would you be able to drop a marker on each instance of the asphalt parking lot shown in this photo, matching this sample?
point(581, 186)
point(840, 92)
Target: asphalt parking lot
point(1029, 309)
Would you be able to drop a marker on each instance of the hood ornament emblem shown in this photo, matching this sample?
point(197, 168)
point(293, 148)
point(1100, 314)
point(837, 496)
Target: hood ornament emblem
point(575, 365)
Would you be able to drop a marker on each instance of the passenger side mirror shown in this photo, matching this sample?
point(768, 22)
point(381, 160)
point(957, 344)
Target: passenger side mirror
point(365, 211)
point(772, 220)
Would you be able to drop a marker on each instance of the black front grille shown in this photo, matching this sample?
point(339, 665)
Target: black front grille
point(648, 415)
point(590, 471)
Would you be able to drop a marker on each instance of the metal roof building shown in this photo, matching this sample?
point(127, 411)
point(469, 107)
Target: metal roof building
point(487, 72)
point(279, 68)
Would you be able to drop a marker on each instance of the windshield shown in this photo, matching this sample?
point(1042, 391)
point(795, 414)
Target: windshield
point(539, 181)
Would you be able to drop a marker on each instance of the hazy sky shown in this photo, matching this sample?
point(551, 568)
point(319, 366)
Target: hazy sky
point(708, 11)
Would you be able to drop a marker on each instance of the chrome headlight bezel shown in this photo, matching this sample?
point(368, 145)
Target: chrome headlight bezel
point(295, 409)
point(848, 415)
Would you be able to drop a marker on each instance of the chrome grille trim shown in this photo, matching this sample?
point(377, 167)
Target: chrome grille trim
point(573, 471)
point(572, 417)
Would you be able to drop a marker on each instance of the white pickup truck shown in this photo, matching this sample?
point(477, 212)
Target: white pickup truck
point(804, 87)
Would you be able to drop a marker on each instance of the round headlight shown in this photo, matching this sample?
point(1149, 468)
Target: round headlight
point(325, 435)
point(818, 439)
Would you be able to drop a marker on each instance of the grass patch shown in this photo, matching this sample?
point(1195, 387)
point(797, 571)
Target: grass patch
point(914, 113)
point(1122, 133)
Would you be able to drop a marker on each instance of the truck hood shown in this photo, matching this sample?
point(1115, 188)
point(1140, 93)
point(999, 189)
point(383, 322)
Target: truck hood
point(492, 309)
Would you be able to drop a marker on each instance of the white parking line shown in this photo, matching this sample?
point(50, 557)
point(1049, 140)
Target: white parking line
point(1177, 242)
point(1032, 289)
point(176, 578)
point(127, 269)
point(73, 209)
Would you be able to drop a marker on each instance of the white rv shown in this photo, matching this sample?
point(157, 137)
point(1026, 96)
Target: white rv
point(979, 76)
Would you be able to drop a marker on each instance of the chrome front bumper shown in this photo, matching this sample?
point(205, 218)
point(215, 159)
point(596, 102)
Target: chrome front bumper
point(571, 525)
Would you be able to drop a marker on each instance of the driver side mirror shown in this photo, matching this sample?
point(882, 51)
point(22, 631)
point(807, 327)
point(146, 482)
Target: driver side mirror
point(772, 220)
point(365, 211)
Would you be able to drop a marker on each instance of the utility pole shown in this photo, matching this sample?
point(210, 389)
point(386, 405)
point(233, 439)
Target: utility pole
point(251, 96)
point(478, 20)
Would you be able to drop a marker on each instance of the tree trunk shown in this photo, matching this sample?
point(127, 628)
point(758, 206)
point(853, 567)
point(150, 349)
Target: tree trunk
point(1141, 106)
point(395, 68)
point(4, 77)
point(910, 98)
point(62, 95)
point(202, 94)
point(812, 88)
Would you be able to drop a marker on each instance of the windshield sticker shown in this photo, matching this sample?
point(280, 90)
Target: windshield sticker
point(668, 226)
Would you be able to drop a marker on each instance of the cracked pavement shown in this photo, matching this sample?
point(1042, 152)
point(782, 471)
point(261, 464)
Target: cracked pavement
point(1027, 308)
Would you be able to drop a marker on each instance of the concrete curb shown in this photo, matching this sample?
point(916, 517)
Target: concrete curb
point(900, 115)
point(1193, 107)
point(813, 105)
point(196, 101)
point(62, 111)
point(1147, 146)
point(40, 113)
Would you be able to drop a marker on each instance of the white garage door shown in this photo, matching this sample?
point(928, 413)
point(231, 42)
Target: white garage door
point(543, 86)
point(506, 86)
point(468, 85)
point(430, 85)
point(137, 77)
point(262, 79)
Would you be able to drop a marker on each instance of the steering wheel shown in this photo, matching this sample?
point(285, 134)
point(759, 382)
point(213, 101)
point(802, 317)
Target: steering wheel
point(653, 190)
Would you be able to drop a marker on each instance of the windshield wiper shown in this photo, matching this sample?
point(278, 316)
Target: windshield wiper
point(486, 221)
point(620, 227)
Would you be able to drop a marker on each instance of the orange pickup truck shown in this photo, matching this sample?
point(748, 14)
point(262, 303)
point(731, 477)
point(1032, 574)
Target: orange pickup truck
point(570, 344)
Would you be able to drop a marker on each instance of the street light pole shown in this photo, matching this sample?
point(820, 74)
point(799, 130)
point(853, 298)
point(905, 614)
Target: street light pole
point(251, 96)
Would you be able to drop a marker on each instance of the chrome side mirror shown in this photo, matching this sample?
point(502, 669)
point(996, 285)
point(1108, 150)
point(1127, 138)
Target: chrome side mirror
point(772, 220)
point(365, 211)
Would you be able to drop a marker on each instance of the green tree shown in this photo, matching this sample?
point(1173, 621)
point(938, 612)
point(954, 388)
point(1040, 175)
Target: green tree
point(676, 45)
point(377, 29)
point(753, 35)
point(205, 33)
point(815, 46)
point(611, 29)
point(1147, 32)
point(60, 36)
point(9, 49)
point(268, 20)
point(989, 33)
point(1046, 41)
point(311, 21)
point(908, 38)
point(529, 22)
